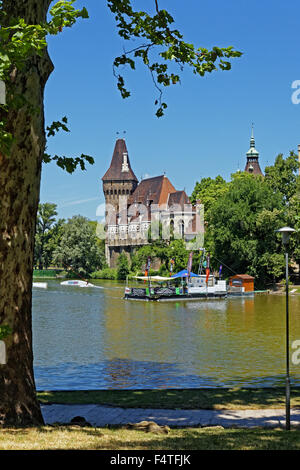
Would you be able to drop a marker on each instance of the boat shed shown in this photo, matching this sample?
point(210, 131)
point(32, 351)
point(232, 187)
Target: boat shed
point(242, 280)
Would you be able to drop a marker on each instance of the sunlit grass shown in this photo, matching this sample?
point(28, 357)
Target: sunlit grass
point(211, 438)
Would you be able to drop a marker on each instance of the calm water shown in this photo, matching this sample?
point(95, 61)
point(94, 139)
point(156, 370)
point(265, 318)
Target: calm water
point(92, 339)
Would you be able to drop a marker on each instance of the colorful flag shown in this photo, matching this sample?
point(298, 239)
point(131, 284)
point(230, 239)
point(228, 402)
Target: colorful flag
point(220, 271)
point(207, 275)
point(147, 270)
point(172, 266)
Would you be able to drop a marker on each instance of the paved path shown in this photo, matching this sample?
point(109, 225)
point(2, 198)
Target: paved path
point(99, 415)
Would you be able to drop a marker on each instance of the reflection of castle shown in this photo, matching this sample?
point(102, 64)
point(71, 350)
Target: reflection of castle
point(131, 206)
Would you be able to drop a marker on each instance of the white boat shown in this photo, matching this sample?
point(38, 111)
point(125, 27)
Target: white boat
point(41, 285)
point(76, 283)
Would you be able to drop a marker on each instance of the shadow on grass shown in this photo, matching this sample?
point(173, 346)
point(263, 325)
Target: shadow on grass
point(217, 398)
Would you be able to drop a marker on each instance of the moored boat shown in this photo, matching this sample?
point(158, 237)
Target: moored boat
point(76, 283)
point(178, 287)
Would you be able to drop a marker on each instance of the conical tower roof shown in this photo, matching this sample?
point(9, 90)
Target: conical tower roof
point(120, 169)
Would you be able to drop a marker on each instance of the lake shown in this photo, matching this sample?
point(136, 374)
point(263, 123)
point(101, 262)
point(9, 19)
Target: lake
point(90, 338)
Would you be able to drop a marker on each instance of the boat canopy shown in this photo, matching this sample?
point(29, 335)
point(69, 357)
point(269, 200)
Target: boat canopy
point(184, 273)
point(153, 278)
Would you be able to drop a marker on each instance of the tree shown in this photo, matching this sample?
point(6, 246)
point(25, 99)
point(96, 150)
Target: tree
point(45, 221)
point(242, 228)
point(78, 248)
point(282, 176)
point(207, 191)
point(25, 68)
point(123, 267)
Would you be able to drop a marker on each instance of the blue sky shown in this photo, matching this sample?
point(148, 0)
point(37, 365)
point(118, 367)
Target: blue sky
point(207, 126)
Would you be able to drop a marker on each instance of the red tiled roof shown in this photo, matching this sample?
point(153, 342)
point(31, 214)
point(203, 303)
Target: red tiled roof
point(115, 173)
point(154, 190)
point(178, 197)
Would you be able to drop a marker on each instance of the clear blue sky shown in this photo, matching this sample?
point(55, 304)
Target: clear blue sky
point(206, 130)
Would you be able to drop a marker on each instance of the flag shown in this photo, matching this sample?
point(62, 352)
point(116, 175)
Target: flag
point(220, 271)
point(172, 266)
point(207, 275)
point(147, 270)
point(208, 261)
point(189, 265)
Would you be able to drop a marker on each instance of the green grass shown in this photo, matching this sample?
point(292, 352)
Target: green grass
point(231, 399)
point(211, 438)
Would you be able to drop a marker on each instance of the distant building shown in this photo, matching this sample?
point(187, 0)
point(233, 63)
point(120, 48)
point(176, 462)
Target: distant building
point(132, 206)
point(252, 164)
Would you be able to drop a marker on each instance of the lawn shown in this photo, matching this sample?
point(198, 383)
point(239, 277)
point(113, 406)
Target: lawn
point(211, 438)
point(217, 399)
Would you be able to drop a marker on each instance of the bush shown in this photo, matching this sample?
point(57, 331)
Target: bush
point(163, 271)
point(106, 273)
point(123, 267)
point(45, 273)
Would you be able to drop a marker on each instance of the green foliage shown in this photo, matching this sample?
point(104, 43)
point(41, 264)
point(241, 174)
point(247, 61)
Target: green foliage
point(123, 267)
point(78, 249)
point(19, 42)
point(46, 234)
point(207, 191)
point(105, 273)
point(5, 331)
point(293, 215)
point(68, 164)
point(242, 228)
point(161, 46)
point(282, 176)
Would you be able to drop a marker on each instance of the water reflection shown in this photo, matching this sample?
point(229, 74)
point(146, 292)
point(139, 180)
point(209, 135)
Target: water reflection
point(92, 338)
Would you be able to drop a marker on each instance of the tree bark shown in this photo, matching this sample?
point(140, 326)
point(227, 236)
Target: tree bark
point(20, 175)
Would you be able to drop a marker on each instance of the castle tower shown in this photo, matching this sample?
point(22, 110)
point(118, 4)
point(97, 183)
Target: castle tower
point(252, 164)
point(119, 182)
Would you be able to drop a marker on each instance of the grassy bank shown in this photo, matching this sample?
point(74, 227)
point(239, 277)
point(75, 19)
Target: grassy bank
point(212, 438)
point(230, 399)
point(46, 273)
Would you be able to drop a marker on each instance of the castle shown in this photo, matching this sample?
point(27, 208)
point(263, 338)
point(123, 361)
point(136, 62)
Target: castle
point(131, 207)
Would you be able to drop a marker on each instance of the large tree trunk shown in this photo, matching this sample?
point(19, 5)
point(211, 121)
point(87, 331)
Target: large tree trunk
point(20, 175)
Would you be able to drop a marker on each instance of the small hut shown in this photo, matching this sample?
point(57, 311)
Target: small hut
point(242, 280)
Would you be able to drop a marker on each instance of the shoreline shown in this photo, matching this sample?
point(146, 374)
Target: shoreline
point(185, 399)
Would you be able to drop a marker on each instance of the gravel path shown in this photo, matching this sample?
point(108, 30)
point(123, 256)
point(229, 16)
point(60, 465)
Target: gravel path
point(99, 415)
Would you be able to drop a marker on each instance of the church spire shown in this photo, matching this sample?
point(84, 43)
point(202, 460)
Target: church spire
point(252, 140)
